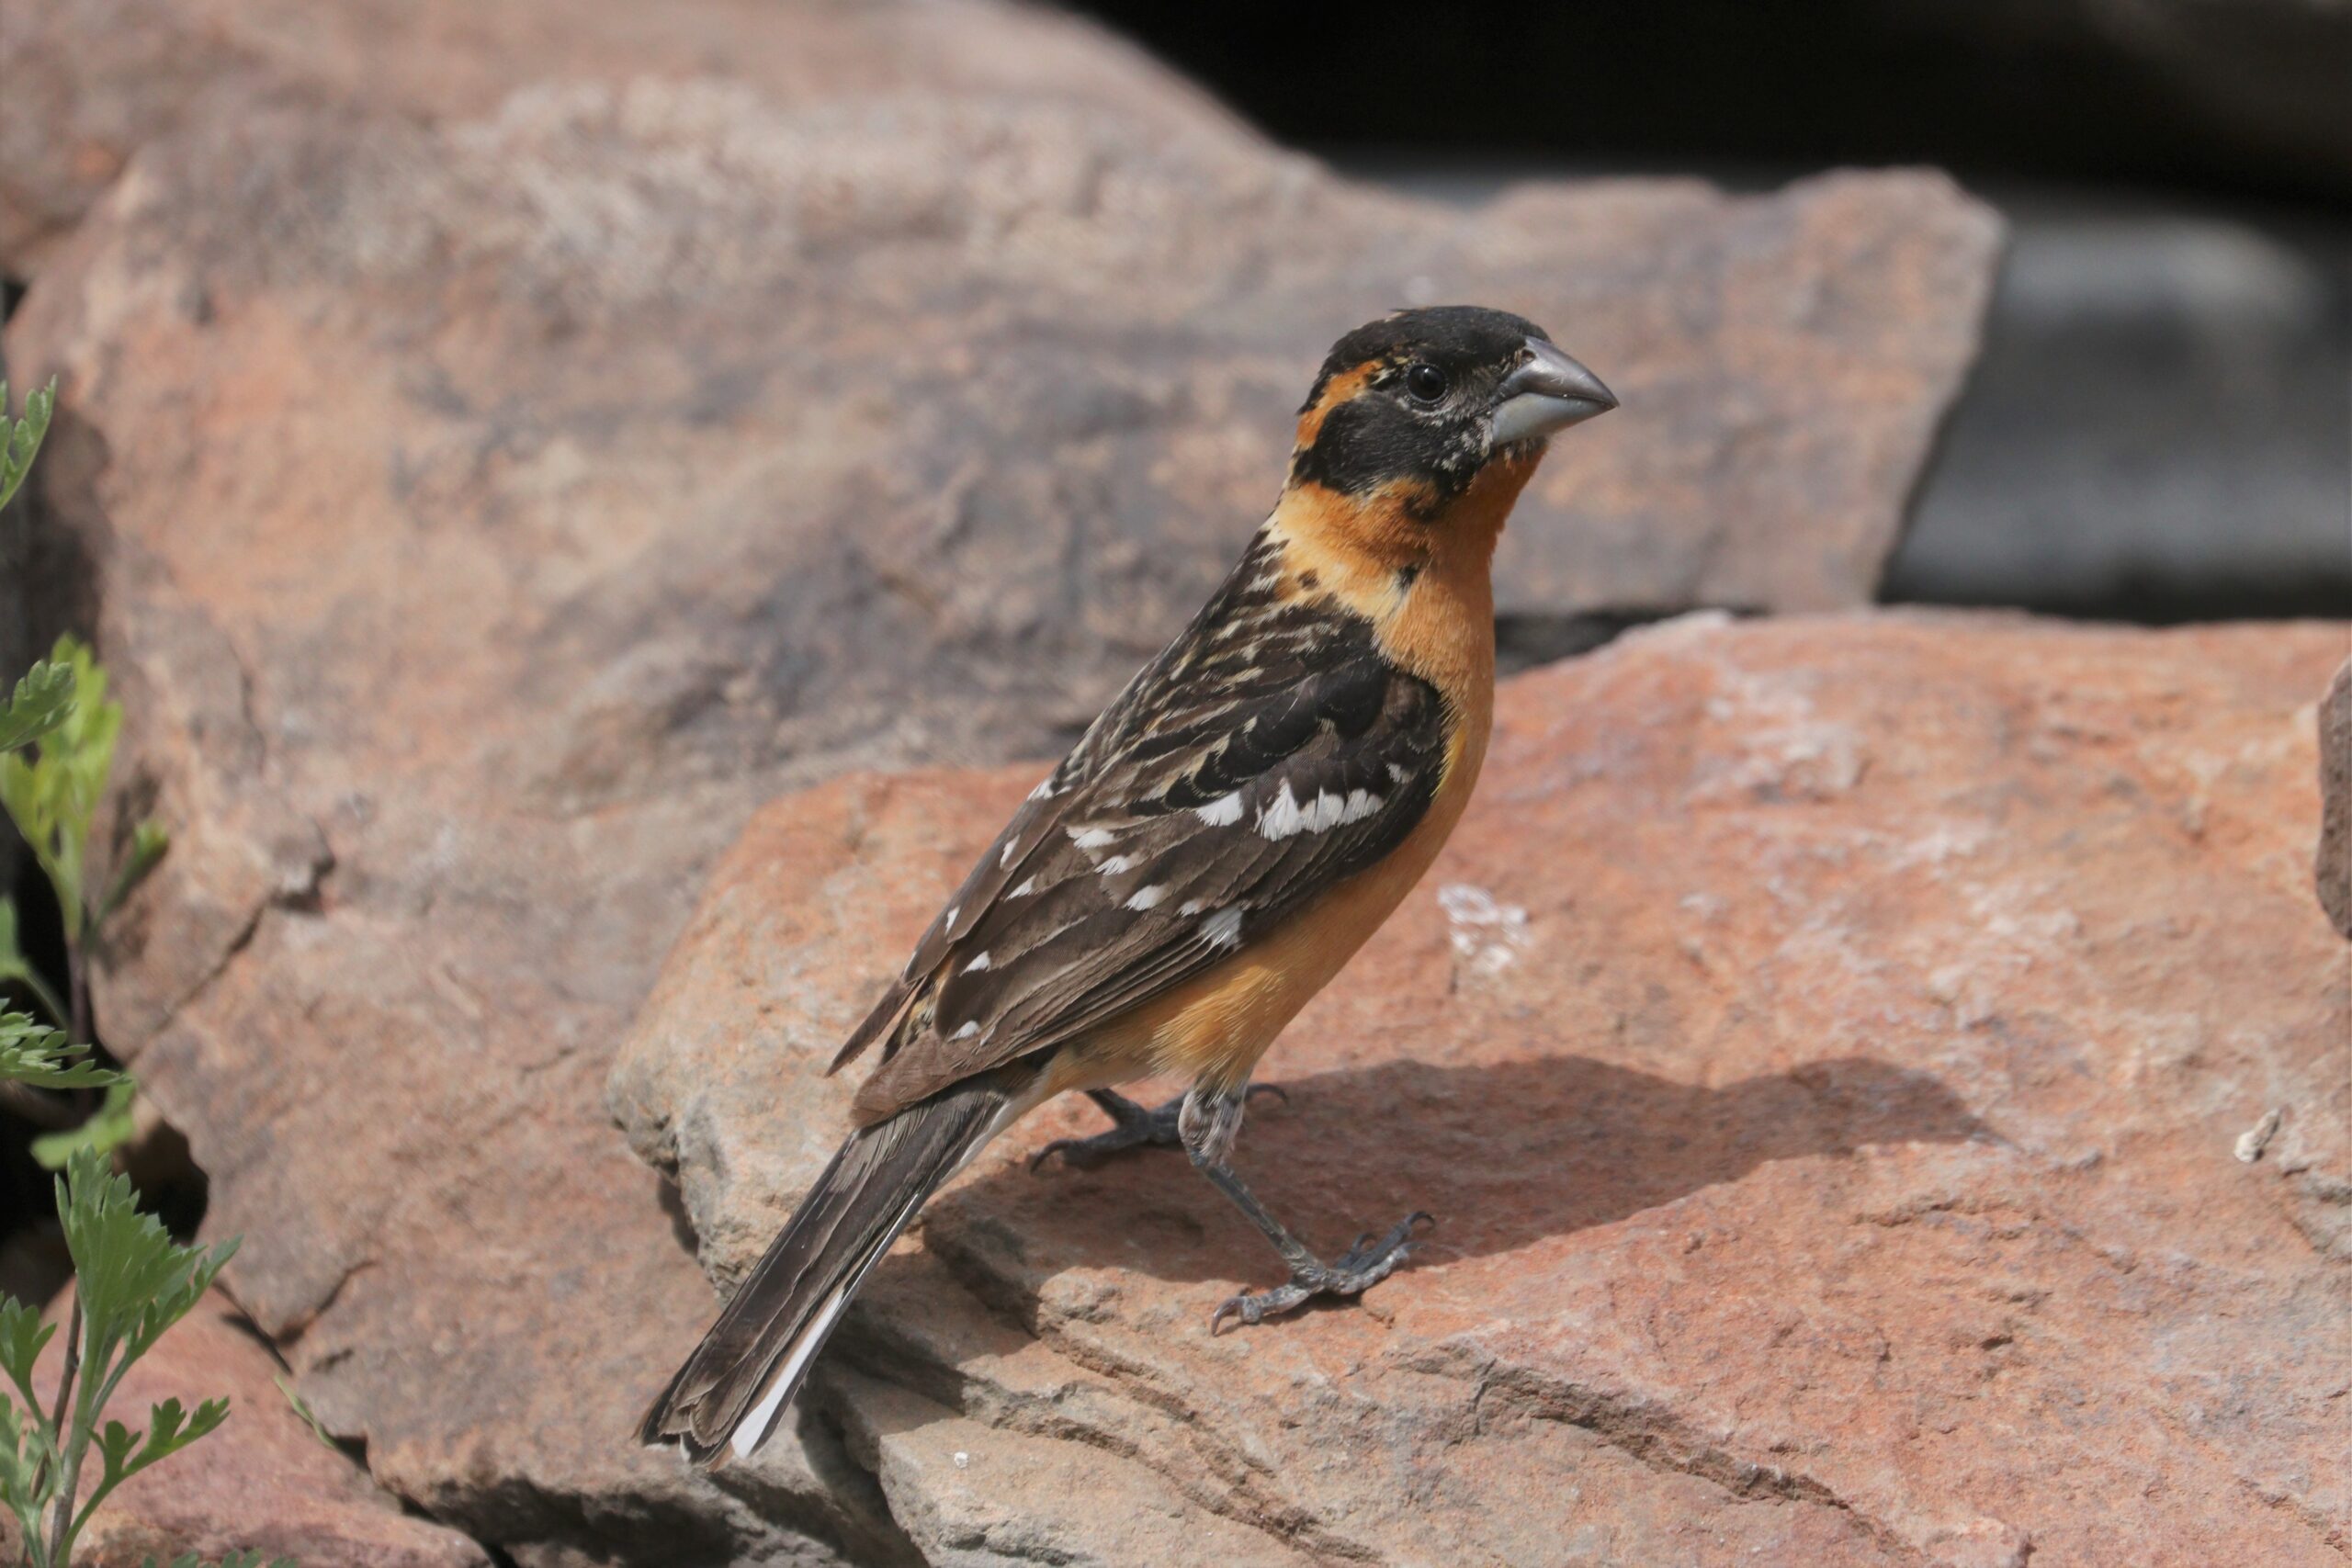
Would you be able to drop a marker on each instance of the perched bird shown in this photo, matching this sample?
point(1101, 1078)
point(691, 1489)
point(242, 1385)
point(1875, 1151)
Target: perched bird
point(1225, 836)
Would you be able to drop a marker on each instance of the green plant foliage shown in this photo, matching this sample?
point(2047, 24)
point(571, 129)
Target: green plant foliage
point(31, 1051)
point(132, 1281)
point(108, 1129)
point(54, 795)
point(44, 696)
point(21, 438)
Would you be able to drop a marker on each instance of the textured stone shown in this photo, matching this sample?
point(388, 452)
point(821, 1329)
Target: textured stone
point(1825, 1045)
point(265, 1482)
point(494, 497)
point(2334, 860)
point(93, 81)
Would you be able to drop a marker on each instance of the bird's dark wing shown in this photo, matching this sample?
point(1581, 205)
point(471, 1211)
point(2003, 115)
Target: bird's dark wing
point(1269, 752)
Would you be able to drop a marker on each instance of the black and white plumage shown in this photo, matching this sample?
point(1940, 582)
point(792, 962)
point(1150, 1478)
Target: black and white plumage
point(1270, 752)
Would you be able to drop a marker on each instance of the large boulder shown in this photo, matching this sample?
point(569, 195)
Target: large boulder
point(491, 506)
point(1828, 1045)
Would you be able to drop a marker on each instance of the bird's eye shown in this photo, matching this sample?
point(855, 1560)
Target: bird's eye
point(1426, 382)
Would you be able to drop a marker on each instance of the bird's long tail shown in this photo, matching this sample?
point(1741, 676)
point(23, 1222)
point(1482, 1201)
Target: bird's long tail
point(726, 1398)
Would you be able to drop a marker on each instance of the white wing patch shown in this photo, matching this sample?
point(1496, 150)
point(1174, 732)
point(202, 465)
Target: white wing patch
point(1328, 809)
point(1282, 817)
point(976, 965)
point(1222, 812)
point(1147, 897)
point(1223, 929)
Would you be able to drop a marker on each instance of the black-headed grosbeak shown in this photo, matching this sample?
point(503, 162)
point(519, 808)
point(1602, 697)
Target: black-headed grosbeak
point(1227, 833)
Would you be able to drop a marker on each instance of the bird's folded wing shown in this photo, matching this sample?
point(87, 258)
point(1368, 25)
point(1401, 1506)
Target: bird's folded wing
point(1269, 753)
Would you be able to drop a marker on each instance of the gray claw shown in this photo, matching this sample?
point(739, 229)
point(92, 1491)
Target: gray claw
point(1133, 1127)
point(1362, 1267)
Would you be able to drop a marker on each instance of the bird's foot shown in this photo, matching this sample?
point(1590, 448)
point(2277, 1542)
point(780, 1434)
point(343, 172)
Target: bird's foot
point(1132, 1126)
point(1363, 1266)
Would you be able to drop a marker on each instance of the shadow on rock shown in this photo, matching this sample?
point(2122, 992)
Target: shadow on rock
point(1505, 1155)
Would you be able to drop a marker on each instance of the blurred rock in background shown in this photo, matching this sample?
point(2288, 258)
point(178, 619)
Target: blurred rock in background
point(2161, 426)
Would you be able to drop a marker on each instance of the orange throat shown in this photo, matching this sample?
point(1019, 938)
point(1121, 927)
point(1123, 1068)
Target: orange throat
point(1426, 584)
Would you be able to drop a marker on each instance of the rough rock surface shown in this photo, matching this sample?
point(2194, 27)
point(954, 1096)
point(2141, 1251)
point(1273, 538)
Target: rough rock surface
point(93, 81)
point(263, 1483)
point(732, 163)
point(2334, 860)
point(492, 508)
point(1825, 1042)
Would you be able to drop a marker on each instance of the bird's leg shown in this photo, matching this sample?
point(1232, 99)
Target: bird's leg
point(1132, 1127)
point(1207, 1125)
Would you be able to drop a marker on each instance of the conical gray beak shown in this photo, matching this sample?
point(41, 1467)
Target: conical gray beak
point(1549, 392)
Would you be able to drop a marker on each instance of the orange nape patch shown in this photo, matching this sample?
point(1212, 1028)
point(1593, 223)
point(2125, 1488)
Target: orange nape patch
point(1337, 391)
point(1344, 534)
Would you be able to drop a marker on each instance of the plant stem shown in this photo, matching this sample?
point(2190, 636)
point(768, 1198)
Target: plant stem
point(59, 1013)
point(69, 1452)
point(77, 980)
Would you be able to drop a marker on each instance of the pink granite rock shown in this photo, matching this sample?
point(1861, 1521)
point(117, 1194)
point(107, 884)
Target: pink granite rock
point(1824, 1044)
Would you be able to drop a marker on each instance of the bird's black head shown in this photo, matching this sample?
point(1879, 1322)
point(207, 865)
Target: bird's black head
point(1427, 397)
